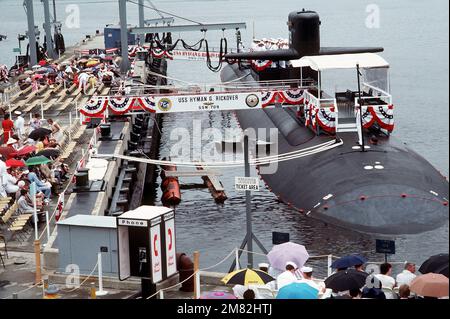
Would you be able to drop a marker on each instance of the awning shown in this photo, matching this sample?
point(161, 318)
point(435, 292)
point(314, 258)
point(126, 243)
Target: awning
point(341, 61)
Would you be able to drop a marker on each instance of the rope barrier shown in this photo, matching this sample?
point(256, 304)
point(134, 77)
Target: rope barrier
point(86, 279)
point(253, 162)
point(22, 291)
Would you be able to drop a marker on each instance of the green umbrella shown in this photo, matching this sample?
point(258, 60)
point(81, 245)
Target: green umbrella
point(37, 160)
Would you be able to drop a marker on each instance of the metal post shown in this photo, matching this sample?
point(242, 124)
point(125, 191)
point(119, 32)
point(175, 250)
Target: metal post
point(37, 254)
point(123, 35)
point(141, 21)
point(48, 226)
point(360, 103)
point(161, 294)
point(237, 258)
point(329, 262)
point(42, 110)
point(31, 34)
point(197, 275)
point(248, 207)
point(100, 292)
point(48, 29)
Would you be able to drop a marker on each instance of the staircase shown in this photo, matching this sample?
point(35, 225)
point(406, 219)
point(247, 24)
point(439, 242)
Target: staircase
point(345, 118)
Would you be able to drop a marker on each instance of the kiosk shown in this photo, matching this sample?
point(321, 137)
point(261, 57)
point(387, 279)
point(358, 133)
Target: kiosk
point(146, 245)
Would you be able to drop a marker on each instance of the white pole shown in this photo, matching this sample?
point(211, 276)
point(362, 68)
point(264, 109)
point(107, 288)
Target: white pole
point(100, 292)
point(197, 285)
point(42, 110)
point(35, 217)
point(48, 226)
point(70, 125)
point(237, 259)
point(161, 294)
point(330, 261)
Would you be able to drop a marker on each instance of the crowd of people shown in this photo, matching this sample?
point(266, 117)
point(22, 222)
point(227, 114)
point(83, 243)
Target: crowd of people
point(379, 285)
point(88, 69)
point(17, 172)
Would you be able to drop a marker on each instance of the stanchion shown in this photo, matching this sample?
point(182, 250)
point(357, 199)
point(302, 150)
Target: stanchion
point(48, 226)
point(329, 262)
point(93, 291)
point(237, 259)
point(197, 275)
point(37, 254)
point(161, 294)
point(100, 292)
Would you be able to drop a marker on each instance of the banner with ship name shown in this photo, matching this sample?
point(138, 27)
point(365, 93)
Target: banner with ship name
point(225, 101)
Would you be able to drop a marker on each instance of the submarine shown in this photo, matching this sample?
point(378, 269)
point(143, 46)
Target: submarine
point(372, 182)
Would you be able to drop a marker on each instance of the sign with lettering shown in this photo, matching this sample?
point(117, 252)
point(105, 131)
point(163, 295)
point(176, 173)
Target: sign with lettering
point(132, 222)
point(246, 183)
point(155, 244)
point(385, 246)
point(171, 257)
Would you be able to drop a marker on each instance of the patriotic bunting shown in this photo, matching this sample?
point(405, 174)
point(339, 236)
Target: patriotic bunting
point(94, 107)
point(381, 114)
point(120, 106)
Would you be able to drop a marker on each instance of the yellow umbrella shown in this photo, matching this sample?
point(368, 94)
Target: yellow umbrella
point(247, 277)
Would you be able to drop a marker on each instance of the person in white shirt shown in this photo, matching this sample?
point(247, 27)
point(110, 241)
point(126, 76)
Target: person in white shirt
point(407, 275)
point(19, 124)
point(308, 279)
point(386, 279)
point(287, 277)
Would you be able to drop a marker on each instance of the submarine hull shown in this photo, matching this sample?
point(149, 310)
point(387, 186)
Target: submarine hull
point(388, 189)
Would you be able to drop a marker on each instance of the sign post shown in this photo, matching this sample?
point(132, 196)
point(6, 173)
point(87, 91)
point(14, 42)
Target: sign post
point(385, 247)
point(248, 184)
point(37, 243)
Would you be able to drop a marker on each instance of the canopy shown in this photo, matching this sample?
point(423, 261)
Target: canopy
point(341, 61)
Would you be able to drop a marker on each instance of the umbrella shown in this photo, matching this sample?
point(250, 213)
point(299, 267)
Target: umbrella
point(217, 295)
point(281, 254)
point(7, 152)
point(39, 133)
point(247, 277)
point(26, 150)
point(37, 160)
point(50, 153)
point(348, 261)
point(430, 285)
point(437, 264)
point(346, 280)
point(298, 290)
point(14, 163)
point(22, 77)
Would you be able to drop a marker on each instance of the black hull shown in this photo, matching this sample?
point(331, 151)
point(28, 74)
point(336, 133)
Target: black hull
point(408, 196)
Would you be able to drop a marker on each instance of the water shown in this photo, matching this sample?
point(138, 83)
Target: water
point(415, 37)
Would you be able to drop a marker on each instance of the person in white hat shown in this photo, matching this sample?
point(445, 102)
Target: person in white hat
point(308, 279)
point(12, 142)
point(19, 124)
point(288, 276)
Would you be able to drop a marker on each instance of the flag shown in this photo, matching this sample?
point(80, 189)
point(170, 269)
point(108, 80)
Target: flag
point(59, 206)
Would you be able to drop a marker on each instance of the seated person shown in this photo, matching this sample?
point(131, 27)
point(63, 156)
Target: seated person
point(288, 276)
point(308, 278)
point(10, 183)
point(41, 185)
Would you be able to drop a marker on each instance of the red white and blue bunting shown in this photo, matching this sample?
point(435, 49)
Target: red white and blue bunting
point(383, 115)
point(291, 97)
point(94, 107)
point(120, 106)
point(261, 65)
point(324, 117)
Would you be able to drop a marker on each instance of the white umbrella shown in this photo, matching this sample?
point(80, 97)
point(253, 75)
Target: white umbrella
point(281, 254)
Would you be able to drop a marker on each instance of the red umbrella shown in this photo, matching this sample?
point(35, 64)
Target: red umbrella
point(7, 152)
point(14, 163)
point(26, 150)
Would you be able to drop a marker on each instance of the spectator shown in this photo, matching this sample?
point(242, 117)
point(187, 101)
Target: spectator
point(35, 122)
point(10, 183)
point(385, 276)
point(8, 128)
point(288, 276)
point(56, 129)
point(308, 278)
point(355, 293)
point(41, 186)
point(23, 203)
point(407, 275)
point(404, 292)
point(19, 125)
point(359, 268)
point(249, 294)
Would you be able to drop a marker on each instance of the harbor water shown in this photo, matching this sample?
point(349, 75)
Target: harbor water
point(415, 37)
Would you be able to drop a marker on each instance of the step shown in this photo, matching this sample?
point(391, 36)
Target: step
point(344, 130)
point(346, 125)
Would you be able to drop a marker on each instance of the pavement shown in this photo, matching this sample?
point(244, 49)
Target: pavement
point(19, 275)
